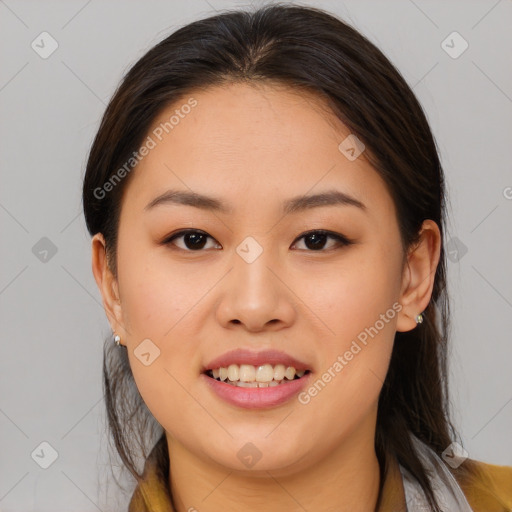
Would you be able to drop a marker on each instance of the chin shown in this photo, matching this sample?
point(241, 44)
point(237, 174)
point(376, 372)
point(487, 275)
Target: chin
point(258, 456)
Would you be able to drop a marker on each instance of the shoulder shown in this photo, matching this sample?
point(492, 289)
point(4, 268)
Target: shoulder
point(487, 487)
point(137, 502)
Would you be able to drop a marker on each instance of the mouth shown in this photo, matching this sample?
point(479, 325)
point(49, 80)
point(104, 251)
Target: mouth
point(256, 380)
point(251, 376)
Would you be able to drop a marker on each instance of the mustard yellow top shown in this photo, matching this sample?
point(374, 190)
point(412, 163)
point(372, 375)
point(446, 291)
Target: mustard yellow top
point(491, 491)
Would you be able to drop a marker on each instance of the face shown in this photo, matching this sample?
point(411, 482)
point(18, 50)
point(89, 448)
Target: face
point(318, 281)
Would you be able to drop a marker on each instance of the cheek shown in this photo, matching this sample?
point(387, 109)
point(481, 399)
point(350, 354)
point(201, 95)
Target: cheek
point(162, 387)
point(358, 304)
point(157, 303)
point(155, 295)
point(352, 295)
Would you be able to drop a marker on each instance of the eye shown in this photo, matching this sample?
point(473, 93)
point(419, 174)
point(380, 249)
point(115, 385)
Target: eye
point(194, 240)
point(316, 240)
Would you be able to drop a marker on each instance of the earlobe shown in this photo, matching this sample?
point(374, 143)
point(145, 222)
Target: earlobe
point(419, 276)
point(107, 283)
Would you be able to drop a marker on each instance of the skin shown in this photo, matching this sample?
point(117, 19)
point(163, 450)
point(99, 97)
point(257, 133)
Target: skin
point(312, 304)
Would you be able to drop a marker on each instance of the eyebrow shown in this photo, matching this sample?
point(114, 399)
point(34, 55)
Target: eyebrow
point(292, 205)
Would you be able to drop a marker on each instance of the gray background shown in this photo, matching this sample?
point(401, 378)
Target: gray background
point(52, 321)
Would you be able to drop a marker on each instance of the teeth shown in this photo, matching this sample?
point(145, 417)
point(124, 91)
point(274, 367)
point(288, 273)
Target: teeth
point(233, 372)
point(249, 376)
point(247, 373)
point(264, 373)
point(290, 373)
point(279, 371)
point(242, 384)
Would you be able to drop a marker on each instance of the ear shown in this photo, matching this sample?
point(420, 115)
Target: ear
point(107, 284)
point(419, 276)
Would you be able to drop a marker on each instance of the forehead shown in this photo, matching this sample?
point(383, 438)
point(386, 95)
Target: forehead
point(244, 140)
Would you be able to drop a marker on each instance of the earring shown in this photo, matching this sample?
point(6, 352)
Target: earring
point(117, 339)
point(419, 318)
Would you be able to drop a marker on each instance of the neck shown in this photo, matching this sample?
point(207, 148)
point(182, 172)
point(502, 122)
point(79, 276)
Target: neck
point(346, 479)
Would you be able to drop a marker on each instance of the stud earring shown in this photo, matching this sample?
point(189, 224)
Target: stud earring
point(117, 339)
point(419, 318)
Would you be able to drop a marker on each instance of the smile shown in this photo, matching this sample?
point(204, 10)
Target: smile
point(250, 376)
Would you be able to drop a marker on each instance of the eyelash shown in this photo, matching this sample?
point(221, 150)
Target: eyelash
point(341, 239)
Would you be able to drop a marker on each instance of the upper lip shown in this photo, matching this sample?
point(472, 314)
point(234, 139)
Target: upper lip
point(244, 356)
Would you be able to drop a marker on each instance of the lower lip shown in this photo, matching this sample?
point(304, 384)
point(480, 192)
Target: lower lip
point(256, 398)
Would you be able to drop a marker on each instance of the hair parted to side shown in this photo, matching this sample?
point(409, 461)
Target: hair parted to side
point(307, 49)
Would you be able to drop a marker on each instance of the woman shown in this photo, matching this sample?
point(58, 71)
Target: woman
point(267, 210)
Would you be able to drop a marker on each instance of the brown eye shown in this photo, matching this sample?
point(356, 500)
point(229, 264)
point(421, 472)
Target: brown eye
point(193, 240)
point(316, 240)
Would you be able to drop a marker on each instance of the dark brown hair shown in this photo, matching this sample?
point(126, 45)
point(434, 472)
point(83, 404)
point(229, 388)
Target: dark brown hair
point(306, 49)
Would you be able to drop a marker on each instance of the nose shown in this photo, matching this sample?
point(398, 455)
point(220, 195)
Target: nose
point(255, 295)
